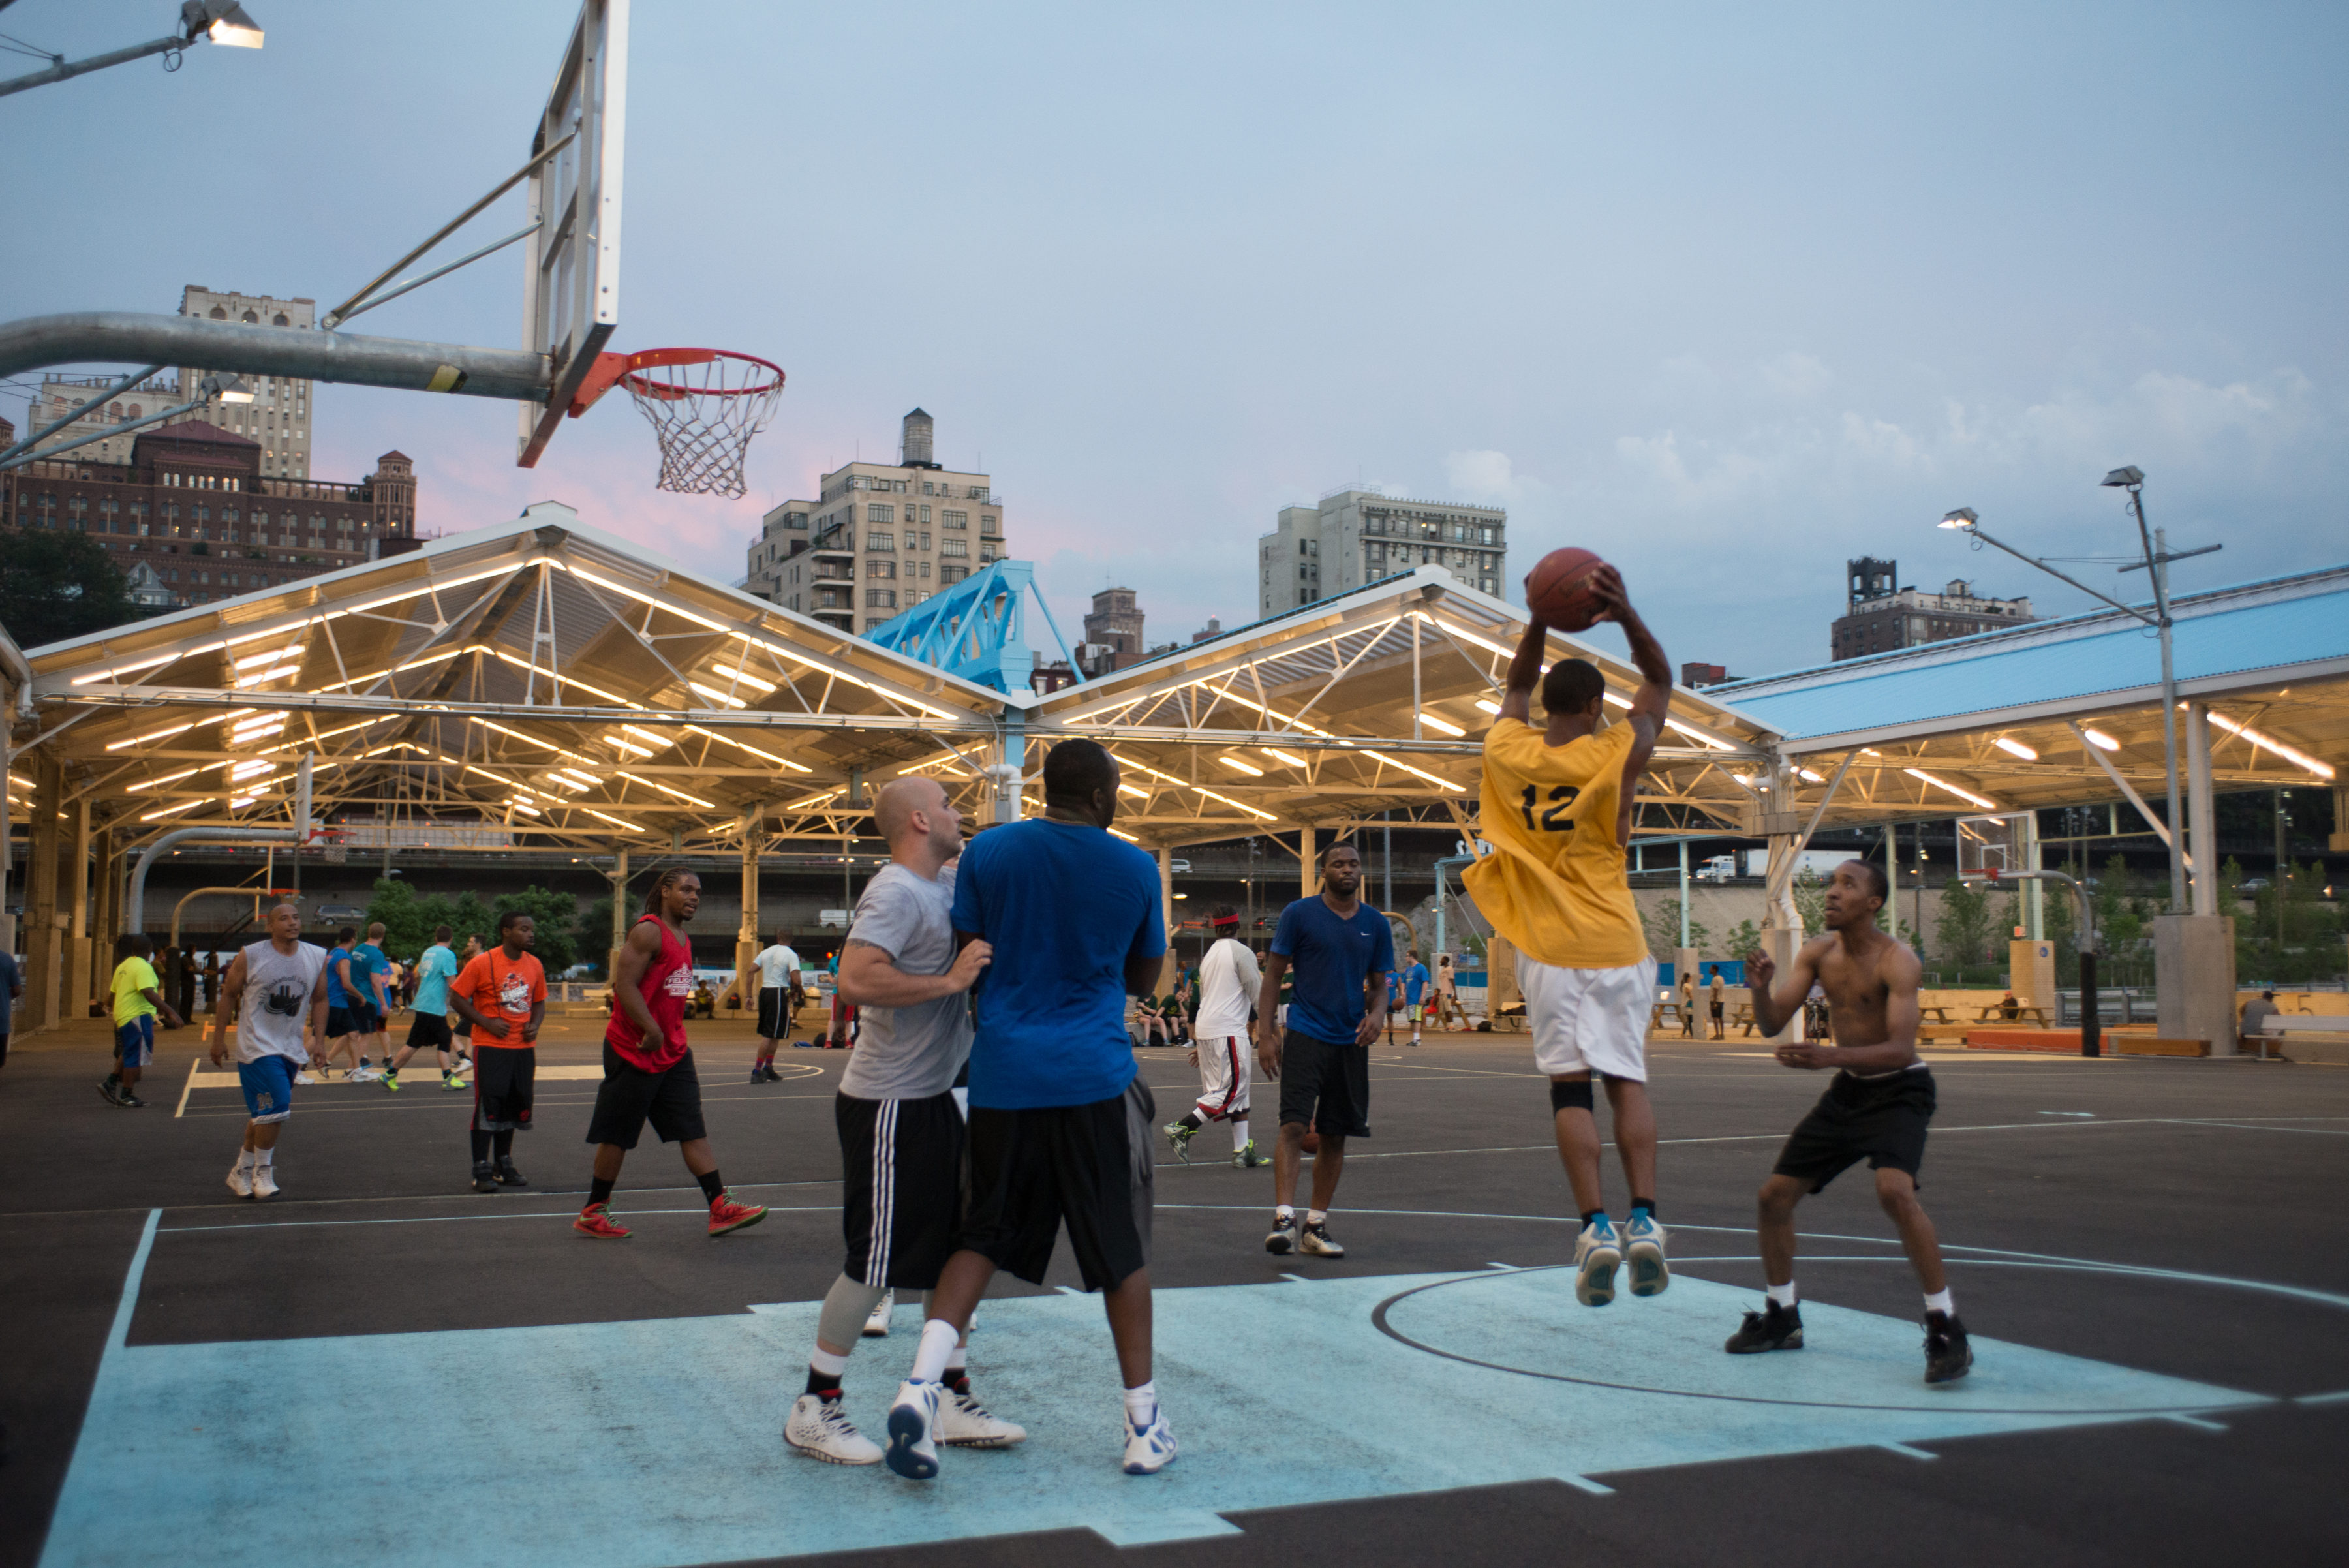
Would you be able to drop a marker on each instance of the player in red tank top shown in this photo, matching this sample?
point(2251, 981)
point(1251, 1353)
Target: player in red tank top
point(648, 1073)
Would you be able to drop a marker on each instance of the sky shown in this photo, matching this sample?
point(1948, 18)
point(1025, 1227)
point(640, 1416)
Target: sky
point(1728, 294)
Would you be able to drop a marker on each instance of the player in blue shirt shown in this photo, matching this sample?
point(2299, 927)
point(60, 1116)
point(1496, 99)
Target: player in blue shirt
point(434, 970)
point(1342, 951)
point(1060, 1123)
point(1413, 980)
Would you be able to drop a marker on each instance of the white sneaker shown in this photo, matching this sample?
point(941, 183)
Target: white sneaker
point(1598, 1254)
point(240, 1180)
point(265, 1181)
point(964, 1422)
point(876, 1326)
point(821, 1429)
point(913, 1421)
point(1644, 1252)
point(304, 1077)
point(1149, 1449)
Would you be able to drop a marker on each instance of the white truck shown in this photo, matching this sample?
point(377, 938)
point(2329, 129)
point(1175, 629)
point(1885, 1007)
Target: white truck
point(1755, 864)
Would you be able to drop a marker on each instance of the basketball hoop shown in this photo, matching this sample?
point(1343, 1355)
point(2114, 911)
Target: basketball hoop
point(704, 408)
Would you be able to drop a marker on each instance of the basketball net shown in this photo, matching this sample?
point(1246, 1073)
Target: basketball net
point(704, 406)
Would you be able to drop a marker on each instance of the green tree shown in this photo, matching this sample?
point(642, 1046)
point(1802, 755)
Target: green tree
point(1811, 901)
point(1744, 938)
point(555, 939)
point(1663, 923)
point(1965, 923)
point(408, 920)
point(55, 586)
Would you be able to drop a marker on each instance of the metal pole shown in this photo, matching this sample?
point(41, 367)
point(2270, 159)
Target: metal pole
point(1684, 894)
point(1386, 854)
point(2092, 1022)
point(65, 70)
point(2156, 549)
point(38, 436)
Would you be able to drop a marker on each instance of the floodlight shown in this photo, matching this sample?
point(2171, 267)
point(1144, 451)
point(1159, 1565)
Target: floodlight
point(2122, 478)
point(229, 389)
point(1964, 517)
point(222, 24)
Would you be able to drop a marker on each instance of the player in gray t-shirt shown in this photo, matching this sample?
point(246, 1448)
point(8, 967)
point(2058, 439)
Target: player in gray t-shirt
point(901, 1131)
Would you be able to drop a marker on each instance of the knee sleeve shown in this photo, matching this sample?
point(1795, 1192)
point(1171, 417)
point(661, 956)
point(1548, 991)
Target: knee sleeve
point(846, 1307)
point(1575, 1096)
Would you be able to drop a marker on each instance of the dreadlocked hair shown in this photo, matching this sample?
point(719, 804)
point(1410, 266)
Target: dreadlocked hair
point(661, 884)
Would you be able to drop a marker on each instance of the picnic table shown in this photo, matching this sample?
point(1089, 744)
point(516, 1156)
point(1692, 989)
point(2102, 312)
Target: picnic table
point(1996, 1012)
point(1662, 1015)
point(1741, 1014)
point(1935, 1014)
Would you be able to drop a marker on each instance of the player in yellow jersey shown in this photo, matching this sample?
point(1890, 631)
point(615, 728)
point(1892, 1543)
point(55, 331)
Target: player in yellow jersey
point(1557, 811)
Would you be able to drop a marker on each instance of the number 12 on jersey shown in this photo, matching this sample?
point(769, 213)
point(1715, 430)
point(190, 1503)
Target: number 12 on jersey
point(1550, 820)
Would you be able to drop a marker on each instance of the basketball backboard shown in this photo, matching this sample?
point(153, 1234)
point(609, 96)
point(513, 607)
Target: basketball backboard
point(1992, 846)
point(571, 277)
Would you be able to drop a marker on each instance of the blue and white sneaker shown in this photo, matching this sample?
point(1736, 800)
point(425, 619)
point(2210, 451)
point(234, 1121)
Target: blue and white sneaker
point(1151, 1448)
point(1643, 1251)
point(1598, 1254)
point(913, 1431)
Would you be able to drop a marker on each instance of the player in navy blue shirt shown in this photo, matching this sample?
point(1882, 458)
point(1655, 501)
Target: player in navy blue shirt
point(1341, 951)
point(1060, 1123)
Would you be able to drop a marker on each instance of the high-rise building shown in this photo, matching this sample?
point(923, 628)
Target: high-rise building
point(193, 507)
point(1880, 617)
point(879, 537)
point(278, 417)
point(61, 395)
point(1356, 537)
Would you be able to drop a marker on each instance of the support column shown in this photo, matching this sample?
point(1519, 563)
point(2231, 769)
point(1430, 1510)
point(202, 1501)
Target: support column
point(746, 939)
point(2035, 892)
point(1781, 921)
point(1166, 908)
point(43, 950)
point(619, 914)
point(105, 871)
point(1309, 869)
point(2194, 955)
point(2338, 843)
point(1010, 766)
point(8, 839)
point(76, 996)
point(2203, 838)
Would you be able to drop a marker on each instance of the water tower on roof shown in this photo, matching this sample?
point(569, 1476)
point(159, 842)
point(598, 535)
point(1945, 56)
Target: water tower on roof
point(915, 445)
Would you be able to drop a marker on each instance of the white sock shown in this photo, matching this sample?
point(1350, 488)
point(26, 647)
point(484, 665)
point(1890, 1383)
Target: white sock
point(938, 1338)
point(246, 1159)
point(1283, 1212)
point(1317, 1216)
point(1939, 1302)
point(825, 1362)
point(1239, 1135)
point(1142, 1404)
point(1783, 1294)
point(960, 1360)
point(264, 1157)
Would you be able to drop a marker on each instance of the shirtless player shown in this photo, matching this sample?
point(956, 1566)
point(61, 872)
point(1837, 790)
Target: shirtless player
point(1875, 1109)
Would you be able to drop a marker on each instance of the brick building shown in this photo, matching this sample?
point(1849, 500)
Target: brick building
point(193, 506)
point(1879, 615)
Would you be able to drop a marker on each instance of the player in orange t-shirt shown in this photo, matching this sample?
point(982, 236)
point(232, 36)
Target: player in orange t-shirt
point(502, 995)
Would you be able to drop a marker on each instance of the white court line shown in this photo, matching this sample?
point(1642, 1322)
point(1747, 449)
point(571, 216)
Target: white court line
point(459, 1219)
point(188, 1087)
point(1906, 1451)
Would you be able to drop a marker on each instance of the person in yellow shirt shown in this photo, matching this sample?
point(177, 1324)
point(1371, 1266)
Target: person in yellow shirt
point(138, 997)
point(1556, 814)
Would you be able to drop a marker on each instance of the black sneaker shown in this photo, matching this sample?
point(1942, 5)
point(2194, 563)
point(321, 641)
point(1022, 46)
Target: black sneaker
point(508, 1176)
point(109, 1091)
point(1774, 1327)
point(1283, 1239)
point(1947, 1355)
point(483, 1180)
point(758, 1074)
point(128, 1100)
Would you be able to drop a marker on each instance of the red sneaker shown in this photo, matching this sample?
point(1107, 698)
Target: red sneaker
point(725, 1214)
point(596, 1220)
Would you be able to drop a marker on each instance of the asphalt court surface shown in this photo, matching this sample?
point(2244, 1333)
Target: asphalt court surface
point(2150, 1253)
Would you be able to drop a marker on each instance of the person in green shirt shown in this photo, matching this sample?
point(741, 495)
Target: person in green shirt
point(138, 997)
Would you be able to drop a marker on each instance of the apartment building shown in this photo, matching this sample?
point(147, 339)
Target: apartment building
point(1359, 535)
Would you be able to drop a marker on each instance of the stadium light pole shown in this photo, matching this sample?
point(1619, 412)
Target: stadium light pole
point(2156, 561)
point(222, 21)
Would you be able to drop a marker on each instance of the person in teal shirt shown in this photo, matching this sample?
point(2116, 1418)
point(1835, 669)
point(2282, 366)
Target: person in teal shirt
point(434, 970)
point(1414, 994)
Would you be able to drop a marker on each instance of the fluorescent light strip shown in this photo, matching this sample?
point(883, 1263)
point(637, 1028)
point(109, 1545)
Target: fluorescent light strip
point(1195, 789)
point(1965, 795)
point(2015, 748)
point(1445, 725)
point(1252, 771)
point(1489, 706)
point(2268, 744)
point(1127, 837)
point(2101, 741)
point(1124, 788)
point(652, 783)
point(150, 736)
point(172, 810)
point(619, 743)
point(615, 821)
point(735, 672)
point(569, 784)
point(533, 739)
point(715, 695)
point(1423, 773)
point(746, 746)
point(660, 743)
point(296, 651)
point(1291, 758)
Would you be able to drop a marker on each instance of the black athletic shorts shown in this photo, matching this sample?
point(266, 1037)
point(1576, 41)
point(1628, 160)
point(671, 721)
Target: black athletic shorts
point(429, 1028)
point(1880, 1120)
point(774, 1017)
point(1089, 1166)
point(339, 1024)
point(1325, 1085)
point(629, 1096)
point(901, 1187)
point(505, 1082)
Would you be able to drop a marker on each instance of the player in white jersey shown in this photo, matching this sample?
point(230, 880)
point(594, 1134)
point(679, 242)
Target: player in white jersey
point(277, 992)
point(1229, 981)
point(778, 967)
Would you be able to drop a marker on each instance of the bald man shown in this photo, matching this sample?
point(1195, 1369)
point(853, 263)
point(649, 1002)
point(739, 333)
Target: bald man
point(901, 1132)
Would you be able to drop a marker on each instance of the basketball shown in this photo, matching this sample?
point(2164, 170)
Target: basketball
point(1558, 589)
point(1312, 1141)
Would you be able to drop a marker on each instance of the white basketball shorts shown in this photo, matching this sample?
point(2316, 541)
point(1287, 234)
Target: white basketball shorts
point(1223, 1063)
point(1589, 1019)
